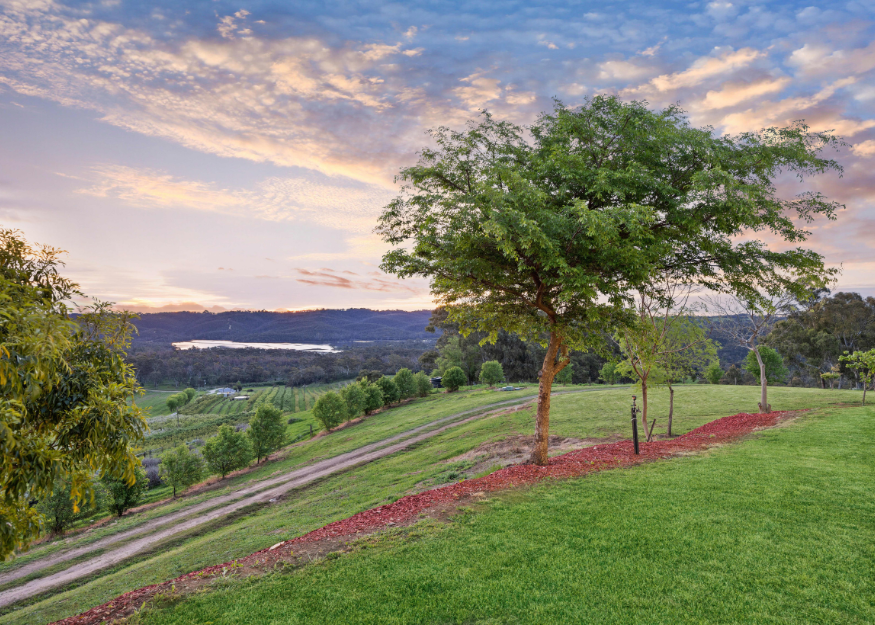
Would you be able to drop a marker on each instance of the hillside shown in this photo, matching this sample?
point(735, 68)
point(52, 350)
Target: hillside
point(309, 326)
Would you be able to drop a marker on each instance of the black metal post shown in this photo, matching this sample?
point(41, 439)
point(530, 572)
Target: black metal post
point(635, 425)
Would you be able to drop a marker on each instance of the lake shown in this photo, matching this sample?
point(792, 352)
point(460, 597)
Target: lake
point(301, 347)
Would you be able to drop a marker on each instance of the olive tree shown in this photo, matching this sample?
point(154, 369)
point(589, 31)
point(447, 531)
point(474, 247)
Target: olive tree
point(544, 231)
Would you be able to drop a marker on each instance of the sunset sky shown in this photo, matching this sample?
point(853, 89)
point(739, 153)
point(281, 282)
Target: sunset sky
point(236, 155)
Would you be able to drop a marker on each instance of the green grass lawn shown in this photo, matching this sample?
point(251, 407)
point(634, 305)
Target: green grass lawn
point(586, 415)
point(777, 529)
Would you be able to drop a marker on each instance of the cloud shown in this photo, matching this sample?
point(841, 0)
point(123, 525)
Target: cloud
point(345, 205)
point(865, 148)
point(330, 278)
point(731, 94)
point(704, 69)
point(180, 307)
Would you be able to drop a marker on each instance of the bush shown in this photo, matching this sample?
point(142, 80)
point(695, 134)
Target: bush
point(776, 372)
point(423, 384)
point(373, 397)
point(293, 420)
point(181, 468)
point(330, 410)
point(453, 379)
point(405, 383)
point(190, 393)
point(227, 451)
point(491, 372)
point(121, 496)
point(391, 394)
point(713, 373)
point(564, 376)
point(355, 399)
point(153, 477)
point(266, 431)
point(58, 507)
point(608, 373)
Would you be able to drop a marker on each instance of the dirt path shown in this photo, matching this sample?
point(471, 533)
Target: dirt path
point(258, 493)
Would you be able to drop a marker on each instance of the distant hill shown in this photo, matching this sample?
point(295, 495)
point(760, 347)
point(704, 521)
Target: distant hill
point(311, 326)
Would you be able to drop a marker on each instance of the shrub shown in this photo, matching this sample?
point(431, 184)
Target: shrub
point(58, 508)
point(330, 410)
point(355, 399)
point(181, 468)
point(608, 373)
point(405, 383)
point(564, 376)
point(121, 496)
point(172, 403)
point(293, 420)
point(776, 372)
point(227, 451)
point(266, 431)
point(391, 394)
point(491, 372)
point(373, 397)
point(190, 393)
point(153, 477)
point(423, 384)
point(713, 373)
point(453, 379)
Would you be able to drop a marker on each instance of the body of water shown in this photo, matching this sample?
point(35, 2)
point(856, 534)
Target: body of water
point(301, 347)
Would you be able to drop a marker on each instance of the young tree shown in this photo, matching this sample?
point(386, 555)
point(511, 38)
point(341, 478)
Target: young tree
point(714, 373)
point(542, 233)
point(65, 389)
point(180, 468)
point(608, 373)
point(61, 510)
point(189, 394)
point(564, 376)
point(172, 404)
point(355, 398)
point(122, 495)
point(423, 384)
point(454, 379)
point(228, 451)
point(863, 363)
point(406, 385)
point(330, 410)
point(373, 397)
point(491, 373)
point(266, 430)
point(391, 394)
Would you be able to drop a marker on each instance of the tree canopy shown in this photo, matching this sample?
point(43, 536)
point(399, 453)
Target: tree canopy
point(543, 231)
point(65, 389)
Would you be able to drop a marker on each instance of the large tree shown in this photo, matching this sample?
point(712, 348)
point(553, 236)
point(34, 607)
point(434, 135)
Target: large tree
point(65, 389)
point(543, 231)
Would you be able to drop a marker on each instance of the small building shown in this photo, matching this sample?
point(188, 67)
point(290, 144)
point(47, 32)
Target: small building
point(225, 392)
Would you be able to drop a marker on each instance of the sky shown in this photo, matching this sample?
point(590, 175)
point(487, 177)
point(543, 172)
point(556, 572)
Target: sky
point(224, 155)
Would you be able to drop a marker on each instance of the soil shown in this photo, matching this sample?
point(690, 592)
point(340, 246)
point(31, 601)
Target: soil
point(517, 449)
point(439, 503)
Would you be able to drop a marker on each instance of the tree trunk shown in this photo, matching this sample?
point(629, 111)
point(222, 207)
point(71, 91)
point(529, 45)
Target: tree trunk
point(865, 384)
point(764, 395)
point(644, 410)
point(670, 406)
point(545, 387)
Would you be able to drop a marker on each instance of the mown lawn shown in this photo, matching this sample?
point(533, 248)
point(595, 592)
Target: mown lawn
point(777, 529)
point(586, 415)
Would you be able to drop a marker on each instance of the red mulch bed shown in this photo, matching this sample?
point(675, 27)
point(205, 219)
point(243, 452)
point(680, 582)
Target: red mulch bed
point(406, 509)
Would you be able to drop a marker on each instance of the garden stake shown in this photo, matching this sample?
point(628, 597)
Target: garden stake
point(635, 412)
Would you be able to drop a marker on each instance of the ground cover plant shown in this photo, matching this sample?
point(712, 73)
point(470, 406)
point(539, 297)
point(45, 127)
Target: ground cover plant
point(601, 414)
point(775, 529)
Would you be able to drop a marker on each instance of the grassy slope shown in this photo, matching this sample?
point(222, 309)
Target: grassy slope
point(593, 414)
point(775, 530)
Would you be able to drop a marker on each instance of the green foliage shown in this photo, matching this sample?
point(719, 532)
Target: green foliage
point(373, 397)
point(355, 398)
point(609, 374)
point(564, 376)
point(228, 451)
point(714, 373)
point(266, 430)
point(864, 364)
point(61, 510)
point(390, 390)
point(776, 372)
point(454, 379)
point(491, 372)
point(330, 410)
point(189, 393)
point(405, 383)
point(172, 403)
point(180, 468)
point(423, 384)
point(65, 389)
point(122, 495)
point(369, 375)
